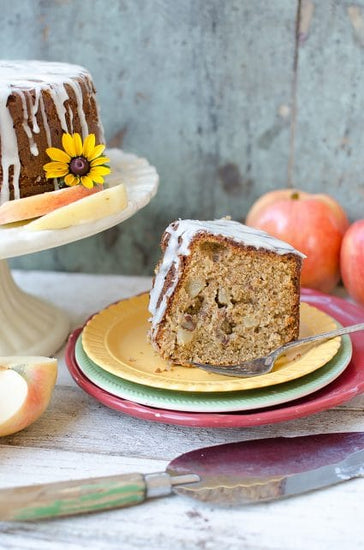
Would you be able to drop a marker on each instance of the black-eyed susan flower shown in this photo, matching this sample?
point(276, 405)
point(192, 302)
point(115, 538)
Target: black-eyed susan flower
point(78, 162)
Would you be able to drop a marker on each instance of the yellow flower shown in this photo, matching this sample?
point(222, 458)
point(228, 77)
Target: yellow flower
point(78, 162)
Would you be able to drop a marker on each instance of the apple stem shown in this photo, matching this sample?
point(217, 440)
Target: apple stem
point(295, 196)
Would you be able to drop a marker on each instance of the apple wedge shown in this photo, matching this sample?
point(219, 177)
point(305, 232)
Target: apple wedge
point(105, 203)
point(39, 205)
point(26, 385)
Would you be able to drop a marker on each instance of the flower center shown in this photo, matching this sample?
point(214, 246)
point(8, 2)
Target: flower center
point(79, 166)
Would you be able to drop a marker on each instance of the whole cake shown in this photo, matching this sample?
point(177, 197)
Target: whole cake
point(39, 102)
point(223, 293)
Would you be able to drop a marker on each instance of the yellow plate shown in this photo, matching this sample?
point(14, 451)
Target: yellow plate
point(116, 340)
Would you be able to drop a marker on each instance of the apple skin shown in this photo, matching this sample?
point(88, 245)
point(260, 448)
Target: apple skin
point(40, 375)
point(43, 203)
point(352, 261)
point(106, 203)
point(313, 223)
point(296, 194)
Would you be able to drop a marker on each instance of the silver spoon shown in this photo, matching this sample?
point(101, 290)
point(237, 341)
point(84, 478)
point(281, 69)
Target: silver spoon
point(263, 365)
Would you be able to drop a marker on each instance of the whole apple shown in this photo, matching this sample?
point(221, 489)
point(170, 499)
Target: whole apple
point(313, 223)
point(352, 261)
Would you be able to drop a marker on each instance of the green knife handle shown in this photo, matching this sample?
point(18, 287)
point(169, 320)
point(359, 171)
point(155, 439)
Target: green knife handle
point(74, 497)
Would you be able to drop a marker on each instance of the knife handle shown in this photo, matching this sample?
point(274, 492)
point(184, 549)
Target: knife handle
point(63, 498)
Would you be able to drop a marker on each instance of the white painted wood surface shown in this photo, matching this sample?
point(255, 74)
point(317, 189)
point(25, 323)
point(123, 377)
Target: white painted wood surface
point(78, 437)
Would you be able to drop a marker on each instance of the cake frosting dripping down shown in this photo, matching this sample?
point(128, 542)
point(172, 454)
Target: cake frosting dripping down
point(37, 77)
point(27, 129)
point(181, 233)
point(9, 148)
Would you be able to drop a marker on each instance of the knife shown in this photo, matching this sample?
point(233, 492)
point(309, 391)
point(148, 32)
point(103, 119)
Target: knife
point(235, 473)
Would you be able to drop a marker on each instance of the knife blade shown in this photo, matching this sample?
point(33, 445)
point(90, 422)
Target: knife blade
point(270, 469)
point(235, 473)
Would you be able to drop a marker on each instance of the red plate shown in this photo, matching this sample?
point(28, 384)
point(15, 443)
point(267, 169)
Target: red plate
point(348, 385)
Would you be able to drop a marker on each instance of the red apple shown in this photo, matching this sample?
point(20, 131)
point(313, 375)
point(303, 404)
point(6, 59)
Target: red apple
point(313, 223)
point(352, 261)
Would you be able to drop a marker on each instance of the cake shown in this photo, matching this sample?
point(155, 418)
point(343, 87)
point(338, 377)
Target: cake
point(39, 102)
point(223, 293)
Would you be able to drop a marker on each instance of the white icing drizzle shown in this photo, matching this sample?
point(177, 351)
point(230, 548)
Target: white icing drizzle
point(180, 238)
point(47, 132)
point(32, 145)
point(45, 121)
point(19, 76)
point(9, 147)
point(78, 93)
point(70, 114)
point(35, 108)
point(59, 96)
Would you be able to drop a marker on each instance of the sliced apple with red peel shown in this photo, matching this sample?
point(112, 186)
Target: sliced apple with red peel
point(26, 386)
point(105, 203)
point(39, 205)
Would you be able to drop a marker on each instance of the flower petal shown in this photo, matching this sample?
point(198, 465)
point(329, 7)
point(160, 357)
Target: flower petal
point(96, 176)
point(55, 166)
point(88, 145)
point(97, 179)
point(68, 145)
point(52, 175)
point(57, 154)
point(100, 170)
point(71, 180)
point(55, 170)
point(100, 160)
point(87, 182)
point(77, 141)
point(97, 151)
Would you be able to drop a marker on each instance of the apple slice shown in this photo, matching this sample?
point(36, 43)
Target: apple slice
point(39, 205)
point(26, 385)
point(105, 203)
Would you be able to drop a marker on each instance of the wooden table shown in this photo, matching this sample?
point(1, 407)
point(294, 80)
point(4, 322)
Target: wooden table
point(79, 437)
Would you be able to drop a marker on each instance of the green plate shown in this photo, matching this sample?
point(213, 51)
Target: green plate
point(214, 402)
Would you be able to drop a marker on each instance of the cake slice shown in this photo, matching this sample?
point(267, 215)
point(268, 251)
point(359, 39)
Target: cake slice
point(223, 293)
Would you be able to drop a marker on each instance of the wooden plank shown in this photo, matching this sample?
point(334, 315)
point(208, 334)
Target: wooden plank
point(77, 438)
point(215, 113)
point(186, 522)
point(330, 116)
point(76, 422)
point(202, 89)
point(181, 522)
point(90, 293)
point(39, 468)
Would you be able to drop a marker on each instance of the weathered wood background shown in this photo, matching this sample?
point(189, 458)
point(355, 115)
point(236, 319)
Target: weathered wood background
point(227, 99)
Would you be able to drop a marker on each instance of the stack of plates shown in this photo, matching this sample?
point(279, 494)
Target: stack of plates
point(112, 360)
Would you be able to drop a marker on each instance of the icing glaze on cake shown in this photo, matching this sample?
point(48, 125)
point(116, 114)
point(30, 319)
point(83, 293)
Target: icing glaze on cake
point(180, 235)
point(39, 101)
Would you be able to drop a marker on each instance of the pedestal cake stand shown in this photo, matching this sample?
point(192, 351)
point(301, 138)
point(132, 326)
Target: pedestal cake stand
point(29, 325)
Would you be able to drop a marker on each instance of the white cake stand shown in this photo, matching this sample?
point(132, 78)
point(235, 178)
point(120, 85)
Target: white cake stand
point(29, 325)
